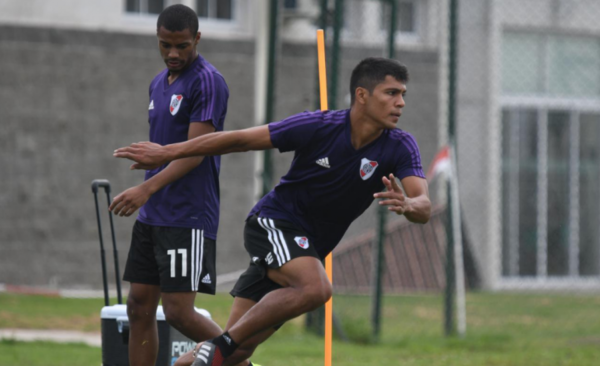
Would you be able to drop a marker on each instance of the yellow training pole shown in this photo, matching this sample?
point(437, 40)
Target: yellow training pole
point(328, 263)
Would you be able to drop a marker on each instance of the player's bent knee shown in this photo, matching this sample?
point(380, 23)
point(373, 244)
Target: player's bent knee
point(326, 296)
point(327, 291)
point(140, 312)
point(315, 296)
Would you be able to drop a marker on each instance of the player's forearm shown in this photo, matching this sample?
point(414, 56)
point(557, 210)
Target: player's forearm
point(221, 143)
point(419, 209)
point(217, 143)
point(174, 171)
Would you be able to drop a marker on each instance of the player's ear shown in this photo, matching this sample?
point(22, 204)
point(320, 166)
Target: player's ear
point(197, 39)
point(360, 95)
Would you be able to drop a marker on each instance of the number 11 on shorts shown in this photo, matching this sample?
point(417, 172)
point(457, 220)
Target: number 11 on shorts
point(173, 255)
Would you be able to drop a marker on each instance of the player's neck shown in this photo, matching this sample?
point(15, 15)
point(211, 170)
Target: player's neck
point(363, 130)
point(174, 75)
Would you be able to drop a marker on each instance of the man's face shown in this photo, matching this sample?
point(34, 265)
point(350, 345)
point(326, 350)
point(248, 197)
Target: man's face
point(178, 49)
point(385, 104)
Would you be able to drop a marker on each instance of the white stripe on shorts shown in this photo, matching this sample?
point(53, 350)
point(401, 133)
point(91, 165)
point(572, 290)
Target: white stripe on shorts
point(200, 243)
point(282, 241)
point(193, 261)
point(273, 241)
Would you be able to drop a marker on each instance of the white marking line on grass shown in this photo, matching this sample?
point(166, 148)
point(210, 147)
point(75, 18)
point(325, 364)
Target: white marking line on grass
point(60, 336)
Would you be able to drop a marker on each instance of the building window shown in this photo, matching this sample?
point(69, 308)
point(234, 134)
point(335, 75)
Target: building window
point(370, 20)
point(215, 9)
point(406, 16)
point(550, 155)
point(550, 194)
point(550, 65)
point(290, 4)
point(145, 6)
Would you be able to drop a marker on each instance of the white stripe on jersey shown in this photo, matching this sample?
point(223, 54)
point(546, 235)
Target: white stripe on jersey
point(273, 242)
point(283, 243)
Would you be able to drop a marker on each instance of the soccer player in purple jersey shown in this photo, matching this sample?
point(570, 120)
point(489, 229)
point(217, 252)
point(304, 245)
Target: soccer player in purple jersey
point(343, 160)
point(172, 254)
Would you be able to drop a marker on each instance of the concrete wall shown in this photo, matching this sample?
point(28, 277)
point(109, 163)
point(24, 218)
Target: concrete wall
point(69, 98)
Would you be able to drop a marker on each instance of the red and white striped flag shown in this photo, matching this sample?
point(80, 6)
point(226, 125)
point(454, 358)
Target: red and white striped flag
point(440, 163)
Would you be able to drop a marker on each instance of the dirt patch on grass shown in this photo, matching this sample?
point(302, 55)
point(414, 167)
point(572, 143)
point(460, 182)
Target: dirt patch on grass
point(81, 323)
point(586, 341)
point(427, 313)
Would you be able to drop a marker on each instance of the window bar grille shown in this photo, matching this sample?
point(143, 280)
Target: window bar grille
point(513, 193)
point(574, 135)
point(542, 199)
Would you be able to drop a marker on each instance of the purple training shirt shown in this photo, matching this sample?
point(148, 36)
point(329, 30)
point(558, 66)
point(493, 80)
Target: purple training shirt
point(330, 183)
point(199, 94)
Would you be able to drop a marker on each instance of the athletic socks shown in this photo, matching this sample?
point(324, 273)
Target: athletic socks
point(225, 344)
point(215, 351)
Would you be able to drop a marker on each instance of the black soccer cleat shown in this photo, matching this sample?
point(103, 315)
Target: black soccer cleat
point(207, 354)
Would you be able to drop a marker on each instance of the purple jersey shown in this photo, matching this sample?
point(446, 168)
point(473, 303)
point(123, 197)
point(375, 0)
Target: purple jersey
point(330, 183)
point(199, 94)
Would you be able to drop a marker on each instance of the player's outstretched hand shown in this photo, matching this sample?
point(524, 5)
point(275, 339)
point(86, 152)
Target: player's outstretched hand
point(147, 155)
point(126, 203)
point(394, 197)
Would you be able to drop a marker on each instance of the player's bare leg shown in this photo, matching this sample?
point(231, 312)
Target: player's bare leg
point(180, 314)
point(306, 287)
point(239, 308)
point(142, 302)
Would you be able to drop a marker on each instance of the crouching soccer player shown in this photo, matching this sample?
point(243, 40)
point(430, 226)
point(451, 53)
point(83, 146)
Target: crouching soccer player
point(343, 159)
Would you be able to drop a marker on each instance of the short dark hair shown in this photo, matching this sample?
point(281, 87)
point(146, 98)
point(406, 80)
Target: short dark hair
point(176, 18)
point(372, 71)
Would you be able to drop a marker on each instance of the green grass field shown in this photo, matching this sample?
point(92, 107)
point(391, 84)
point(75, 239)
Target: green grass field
point(503, 329)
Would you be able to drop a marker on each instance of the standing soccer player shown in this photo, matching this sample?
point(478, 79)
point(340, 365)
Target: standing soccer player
point(343, 160)
point(172, 253)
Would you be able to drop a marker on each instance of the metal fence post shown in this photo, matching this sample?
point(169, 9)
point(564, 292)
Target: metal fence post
point(378, 246)
point(267, 174)
point(449, 326)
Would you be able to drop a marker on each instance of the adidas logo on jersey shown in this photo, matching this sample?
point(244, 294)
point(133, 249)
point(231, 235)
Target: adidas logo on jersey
point(151, 106)
point(324, 163)
point(206, 279)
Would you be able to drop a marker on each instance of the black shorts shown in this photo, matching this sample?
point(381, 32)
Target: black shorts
point(270, 244)
point(176, 259)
